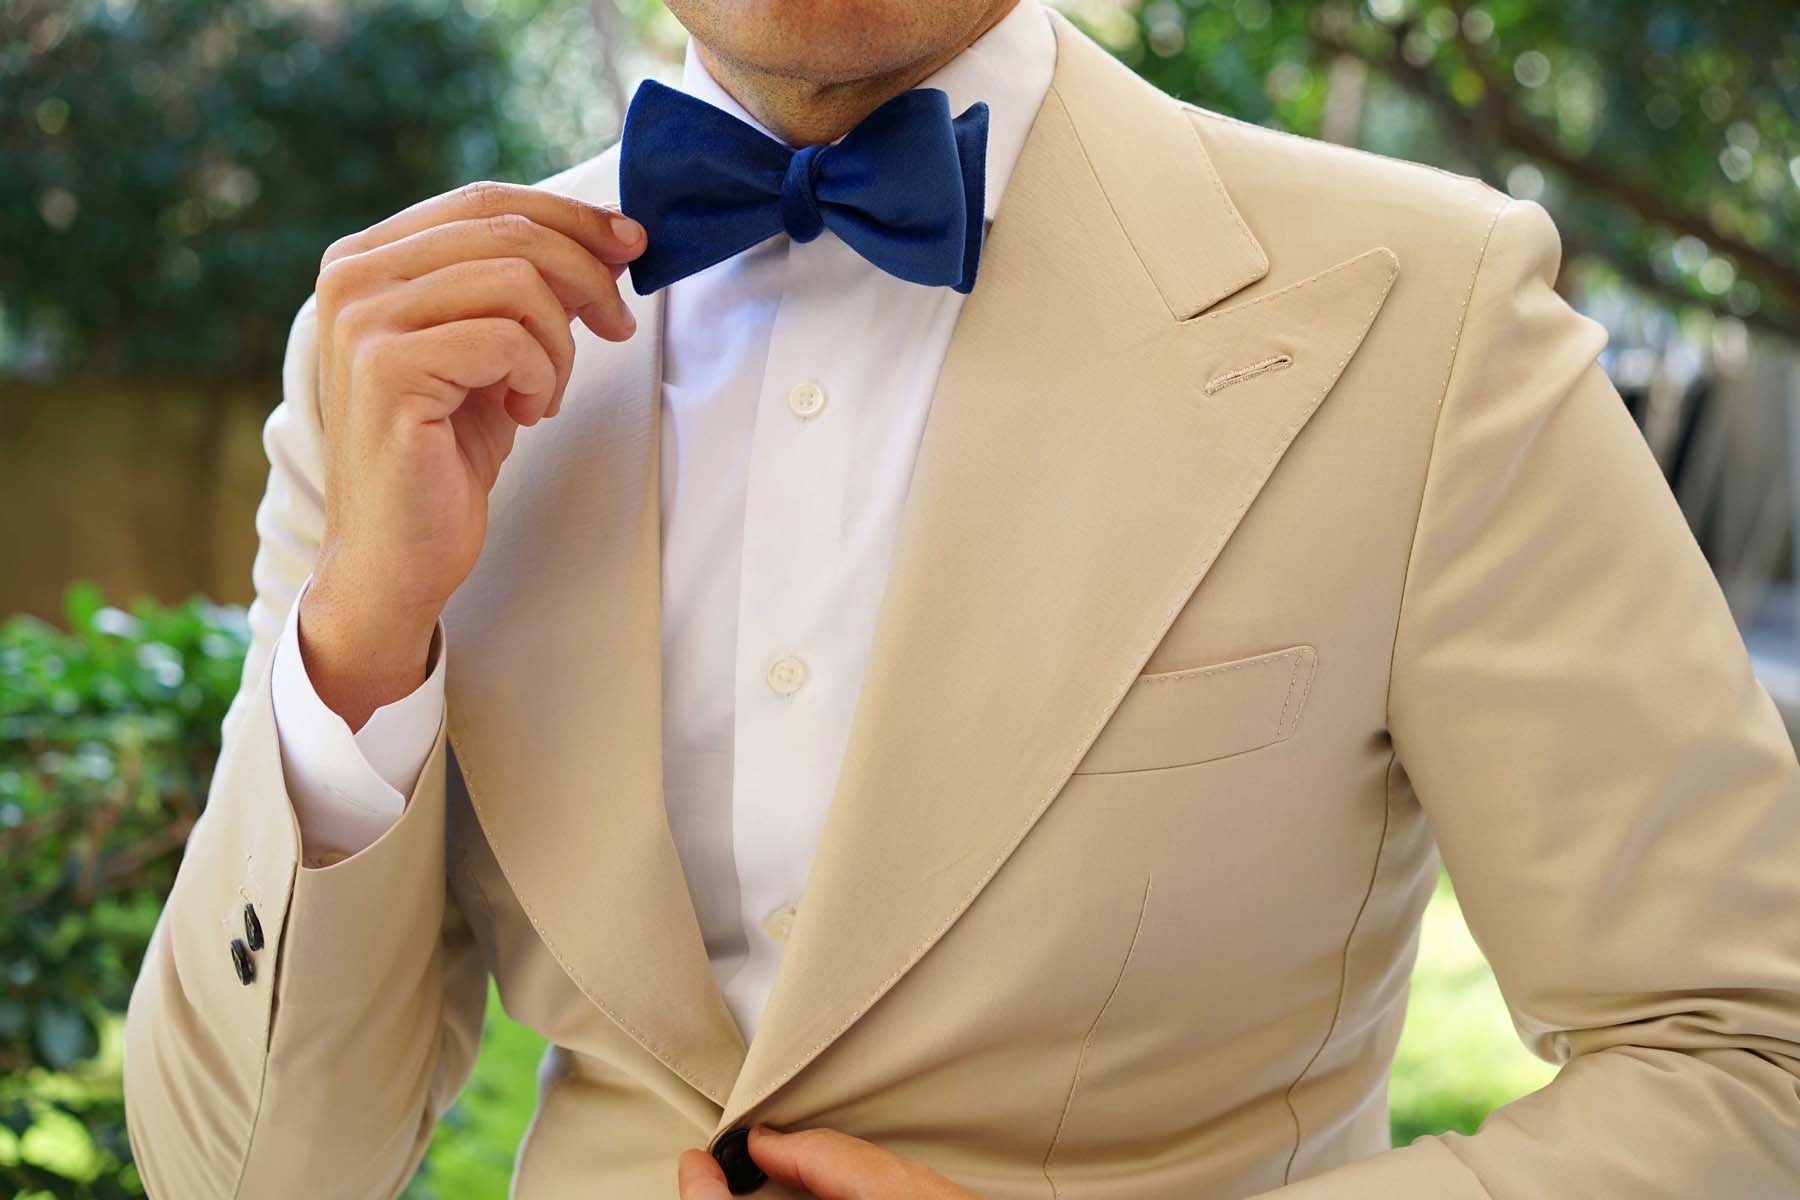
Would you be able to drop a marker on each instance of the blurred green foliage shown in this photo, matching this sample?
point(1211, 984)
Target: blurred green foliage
point(108, 735)
point(1663, 135)
point(198, 155)
point(175, 168)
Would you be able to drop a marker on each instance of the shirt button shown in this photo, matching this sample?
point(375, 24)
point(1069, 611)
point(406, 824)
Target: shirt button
point(786, 674)
point(807, 400)
point(780, 923)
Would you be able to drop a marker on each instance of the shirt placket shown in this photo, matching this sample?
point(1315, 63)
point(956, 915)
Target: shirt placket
point(793, 691)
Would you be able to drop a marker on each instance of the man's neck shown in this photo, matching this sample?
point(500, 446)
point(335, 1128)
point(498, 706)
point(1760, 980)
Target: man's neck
point(804, 113)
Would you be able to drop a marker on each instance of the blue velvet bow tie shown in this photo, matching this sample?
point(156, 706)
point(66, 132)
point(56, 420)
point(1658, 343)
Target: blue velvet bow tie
point(904, 189)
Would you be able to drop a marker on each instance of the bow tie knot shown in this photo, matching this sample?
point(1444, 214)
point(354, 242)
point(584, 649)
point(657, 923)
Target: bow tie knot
point(800, 215)
point(904, 188)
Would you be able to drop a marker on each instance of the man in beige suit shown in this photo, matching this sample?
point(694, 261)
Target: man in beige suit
point(1273, 530)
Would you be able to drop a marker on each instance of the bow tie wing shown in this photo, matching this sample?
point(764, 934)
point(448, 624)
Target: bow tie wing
point(905, 188)
point(703, 183)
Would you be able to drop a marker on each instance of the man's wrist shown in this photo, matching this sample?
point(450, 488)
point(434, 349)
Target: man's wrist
point(360, 656)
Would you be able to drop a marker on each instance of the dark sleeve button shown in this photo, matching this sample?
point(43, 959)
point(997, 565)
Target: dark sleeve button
point(252, 928)
point(732, 1153)
point(240, 958)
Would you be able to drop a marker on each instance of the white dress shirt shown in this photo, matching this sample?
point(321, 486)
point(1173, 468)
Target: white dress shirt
point(795, 386)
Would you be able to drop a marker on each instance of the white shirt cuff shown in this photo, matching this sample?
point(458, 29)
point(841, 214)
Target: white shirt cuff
point(348, 788)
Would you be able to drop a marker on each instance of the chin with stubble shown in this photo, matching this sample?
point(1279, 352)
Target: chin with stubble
point(810, 69)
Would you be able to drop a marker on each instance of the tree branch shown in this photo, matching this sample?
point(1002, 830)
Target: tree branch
point(1526, 136)
point(1507, 127)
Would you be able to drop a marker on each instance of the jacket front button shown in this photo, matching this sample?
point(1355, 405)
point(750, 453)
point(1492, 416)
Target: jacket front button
point(252, 928)
point(240, 958)
point(732, 1153)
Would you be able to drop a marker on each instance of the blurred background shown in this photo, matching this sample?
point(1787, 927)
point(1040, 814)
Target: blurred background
point(171, 171)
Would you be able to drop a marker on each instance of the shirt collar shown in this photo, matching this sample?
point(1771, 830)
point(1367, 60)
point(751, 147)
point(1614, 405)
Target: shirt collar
point(1009, 66)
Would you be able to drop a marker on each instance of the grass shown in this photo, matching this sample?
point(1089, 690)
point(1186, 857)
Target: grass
point(1459, 1057)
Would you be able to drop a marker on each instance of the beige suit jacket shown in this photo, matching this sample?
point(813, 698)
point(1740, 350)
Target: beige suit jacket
point(1273, 530)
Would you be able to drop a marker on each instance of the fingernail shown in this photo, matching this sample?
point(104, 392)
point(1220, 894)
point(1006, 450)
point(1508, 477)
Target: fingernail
point(627, 230)
point(630, 322)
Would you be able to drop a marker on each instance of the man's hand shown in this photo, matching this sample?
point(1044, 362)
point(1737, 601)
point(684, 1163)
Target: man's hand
point(442, 330)
point(824, 1163)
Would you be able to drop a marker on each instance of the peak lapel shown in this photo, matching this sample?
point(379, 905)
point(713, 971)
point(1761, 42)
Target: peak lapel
point(1066, 502)
point(555, 708)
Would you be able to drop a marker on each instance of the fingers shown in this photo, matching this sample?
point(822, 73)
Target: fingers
point(700, 1177)
point(486, 287)
point(436, 367)
point(582, 283)
point(485, 432)
point(603, 231)
point(830, 1165)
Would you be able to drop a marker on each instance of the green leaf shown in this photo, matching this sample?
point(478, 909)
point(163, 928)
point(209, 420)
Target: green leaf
point(82, 600)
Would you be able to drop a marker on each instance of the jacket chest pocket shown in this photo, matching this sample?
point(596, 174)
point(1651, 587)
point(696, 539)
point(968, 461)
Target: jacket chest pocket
point(1193, 715)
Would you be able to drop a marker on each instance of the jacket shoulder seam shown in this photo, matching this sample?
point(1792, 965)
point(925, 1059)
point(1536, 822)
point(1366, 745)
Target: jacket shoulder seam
point(1437, 420)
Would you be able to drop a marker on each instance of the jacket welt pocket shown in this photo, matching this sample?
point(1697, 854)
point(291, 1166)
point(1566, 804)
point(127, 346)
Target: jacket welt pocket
point(1176, 718)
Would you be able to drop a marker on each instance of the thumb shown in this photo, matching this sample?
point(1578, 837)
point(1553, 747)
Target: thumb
point(828, 1164)
point(699, 1176)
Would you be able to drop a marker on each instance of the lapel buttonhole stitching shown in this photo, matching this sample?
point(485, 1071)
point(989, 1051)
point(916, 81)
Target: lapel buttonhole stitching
point(1277, 363)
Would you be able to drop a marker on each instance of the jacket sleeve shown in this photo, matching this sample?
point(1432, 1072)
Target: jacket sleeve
point(1613, 791)
point(324, 1073)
